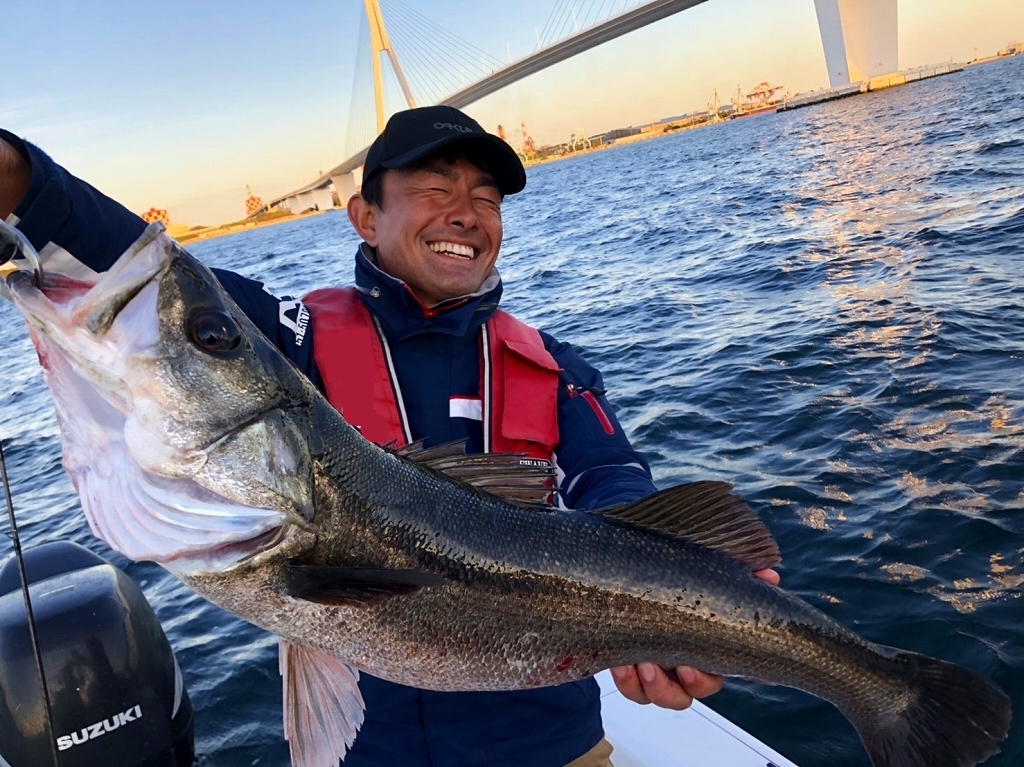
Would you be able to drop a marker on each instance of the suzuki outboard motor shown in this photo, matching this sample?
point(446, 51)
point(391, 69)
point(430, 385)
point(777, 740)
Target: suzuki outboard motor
point(115, 689)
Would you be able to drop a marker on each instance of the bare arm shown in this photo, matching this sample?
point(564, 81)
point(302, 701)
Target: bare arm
point(15, 175)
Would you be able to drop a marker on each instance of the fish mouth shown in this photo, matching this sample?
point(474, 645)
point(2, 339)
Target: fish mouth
point(87, 333)
point(59, 306)
point(228, 556)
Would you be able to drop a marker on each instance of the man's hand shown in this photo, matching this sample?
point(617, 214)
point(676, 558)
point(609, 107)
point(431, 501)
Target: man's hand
point(15, 175)
point(648, 683)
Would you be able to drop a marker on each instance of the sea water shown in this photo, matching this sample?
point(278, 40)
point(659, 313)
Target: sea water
point(824, 307)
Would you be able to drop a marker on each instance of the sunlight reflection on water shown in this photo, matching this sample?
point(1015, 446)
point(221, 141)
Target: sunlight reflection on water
point(825, 307)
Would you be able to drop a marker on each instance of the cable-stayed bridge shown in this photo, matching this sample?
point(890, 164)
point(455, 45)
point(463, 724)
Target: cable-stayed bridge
point(859, 39)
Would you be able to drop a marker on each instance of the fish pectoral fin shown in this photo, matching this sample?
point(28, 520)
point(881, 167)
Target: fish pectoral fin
point(708, 514)
point(362, 586)
point(323, 708)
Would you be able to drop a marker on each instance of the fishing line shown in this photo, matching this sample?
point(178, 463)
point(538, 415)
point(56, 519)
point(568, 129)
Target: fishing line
point(14, 244)
point(28, 607)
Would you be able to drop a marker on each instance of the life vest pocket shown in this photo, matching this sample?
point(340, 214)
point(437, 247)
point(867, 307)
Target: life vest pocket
point(530, 395)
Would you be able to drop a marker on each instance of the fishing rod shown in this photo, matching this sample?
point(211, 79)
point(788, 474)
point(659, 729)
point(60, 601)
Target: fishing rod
point(16, 540)
point(13, 244)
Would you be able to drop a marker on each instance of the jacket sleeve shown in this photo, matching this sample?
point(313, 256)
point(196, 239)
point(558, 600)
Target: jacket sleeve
point(80, 232)
point(74, 227)
point(597, 465)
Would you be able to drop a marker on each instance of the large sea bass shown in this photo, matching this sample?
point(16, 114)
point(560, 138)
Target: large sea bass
point(194, 443)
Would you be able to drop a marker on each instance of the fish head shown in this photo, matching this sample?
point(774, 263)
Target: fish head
point(185, 431)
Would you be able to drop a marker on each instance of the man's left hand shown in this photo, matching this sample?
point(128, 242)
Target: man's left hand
point(649, 683)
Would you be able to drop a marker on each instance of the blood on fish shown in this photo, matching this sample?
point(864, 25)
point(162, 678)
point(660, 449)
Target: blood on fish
point(563, 665)
point(61, 289)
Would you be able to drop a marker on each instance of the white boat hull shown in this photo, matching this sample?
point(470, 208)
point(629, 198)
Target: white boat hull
point(648, 736)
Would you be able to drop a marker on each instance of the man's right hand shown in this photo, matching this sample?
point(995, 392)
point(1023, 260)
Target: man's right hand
point(648, 683)
point(15, 175)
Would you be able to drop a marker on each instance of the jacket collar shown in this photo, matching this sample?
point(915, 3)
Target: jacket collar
point(402, 314)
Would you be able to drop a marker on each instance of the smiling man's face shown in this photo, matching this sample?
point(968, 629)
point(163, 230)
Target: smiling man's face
point(439, 229)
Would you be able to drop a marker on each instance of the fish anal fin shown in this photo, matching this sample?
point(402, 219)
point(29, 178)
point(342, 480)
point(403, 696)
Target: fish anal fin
point(354, 586)
point(323, 708)
point(708, 514)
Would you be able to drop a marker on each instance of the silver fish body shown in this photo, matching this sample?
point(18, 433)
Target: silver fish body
point(247, 485)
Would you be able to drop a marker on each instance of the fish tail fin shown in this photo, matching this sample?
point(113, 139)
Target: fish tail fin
point(947, 717)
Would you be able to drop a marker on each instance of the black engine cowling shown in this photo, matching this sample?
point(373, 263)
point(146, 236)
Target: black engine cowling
point(115, 689)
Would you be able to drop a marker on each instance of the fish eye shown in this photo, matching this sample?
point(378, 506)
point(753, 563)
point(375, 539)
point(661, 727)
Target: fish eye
point(214, 331)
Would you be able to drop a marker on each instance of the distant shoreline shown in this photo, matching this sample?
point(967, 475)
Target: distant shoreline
point(213, 232)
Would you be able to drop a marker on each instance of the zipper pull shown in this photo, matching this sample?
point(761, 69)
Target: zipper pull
point(591, 395)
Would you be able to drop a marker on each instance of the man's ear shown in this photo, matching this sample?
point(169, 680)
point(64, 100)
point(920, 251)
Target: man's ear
point(363, 216)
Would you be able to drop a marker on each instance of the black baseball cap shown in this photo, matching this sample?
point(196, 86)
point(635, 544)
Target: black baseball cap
point(414, 134)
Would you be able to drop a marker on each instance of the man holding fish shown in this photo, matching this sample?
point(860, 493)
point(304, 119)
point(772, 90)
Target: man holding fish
point(422, 325)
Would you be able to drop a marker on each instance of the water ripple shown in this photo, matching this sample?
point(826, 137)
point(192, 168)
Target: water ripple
point(825, 307)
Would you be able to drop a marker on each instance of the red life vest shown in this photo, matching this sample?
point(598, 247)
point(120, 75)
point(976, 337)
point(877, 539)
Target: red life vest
point(518, 377)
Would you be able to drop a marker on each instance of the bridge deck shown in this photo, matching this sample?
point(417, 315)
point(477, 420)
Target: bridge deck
point(535, 62)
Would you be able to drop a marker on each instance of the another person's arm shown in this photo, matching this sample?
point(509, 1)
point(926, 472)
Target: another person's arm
point(73, 226)
point(80, 231)
point(603, 469)
point(15, 175)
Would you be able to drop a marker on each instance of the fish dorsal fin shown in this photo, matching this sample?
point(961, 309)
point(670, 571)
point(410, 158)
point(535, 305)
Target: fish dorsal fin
point(416, 452)
point(354, 586)
point(323, 708)
point(708, 514)
point(524, 481)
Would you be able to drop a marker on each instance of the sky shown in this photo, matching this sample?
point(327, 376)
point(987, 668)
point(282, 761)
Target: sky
point(182, 105)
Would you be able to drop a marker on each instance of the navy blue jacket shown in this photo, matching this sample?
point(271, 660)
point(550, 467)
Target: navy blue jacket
point(436, 357)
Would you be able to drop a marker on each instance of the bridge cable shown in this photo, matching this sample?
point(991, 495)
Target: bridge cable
point(568, 18)
point(362, 120)
point(453, 49)
point(451, 38)
point(558, 22)
point(585, 15)
point(422, 72)
point(571, 23)
point(425, 73)
point(424, 77)
point(450, 70)
point(550, 23)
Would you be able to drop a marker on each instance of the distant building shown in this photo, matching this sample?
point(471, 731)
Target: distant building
point(252, 202)
point(153, 215)
point(618, 133)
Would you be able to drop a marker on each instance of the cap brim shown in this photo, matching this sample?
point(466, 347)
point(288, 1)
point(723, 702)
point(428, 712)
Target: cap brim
point(502, 161)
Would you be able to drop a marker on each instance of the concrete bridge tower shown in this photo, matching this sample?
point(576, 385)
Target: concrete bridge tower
point(381, 43)
point(345, 183)
point(860, 38)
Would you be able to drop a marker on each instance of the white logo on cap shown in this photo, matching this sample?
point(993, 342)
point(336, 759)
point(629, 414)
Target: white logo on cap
point(451, 126)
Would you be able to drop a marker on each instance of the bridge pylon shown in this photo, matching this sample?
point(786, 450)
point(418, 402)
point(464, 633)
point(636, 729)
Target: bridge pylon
point(860, 37)
point(381, 43)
